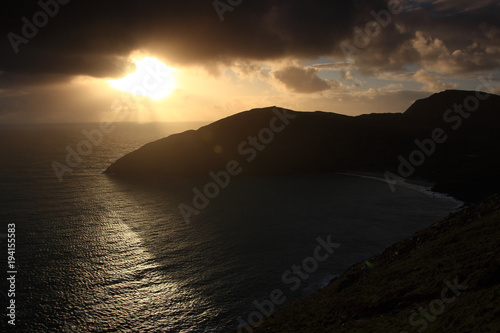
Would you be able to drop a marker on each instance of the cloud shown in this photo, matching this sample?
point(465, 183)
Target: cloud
point(302, 80)
point(392, 86)
point(332, 66)
point(428, 41)
point(438, 36)
point(456, 6)
point(346, 75)
point(431, 82)
point(94, 38)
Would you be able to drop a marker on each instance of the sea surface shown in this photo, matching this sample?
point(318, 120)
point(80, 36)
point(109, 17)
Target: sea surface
point(99, 253)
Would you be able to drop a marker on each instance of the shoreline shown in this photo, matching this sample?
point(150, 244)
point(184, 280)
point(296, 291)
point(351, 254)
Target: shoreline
point(392, 308)
point(421, 186)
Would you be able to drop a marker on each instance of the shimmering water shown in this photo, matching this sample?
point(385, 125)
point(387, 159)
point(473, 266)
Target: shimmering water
point(97, 253)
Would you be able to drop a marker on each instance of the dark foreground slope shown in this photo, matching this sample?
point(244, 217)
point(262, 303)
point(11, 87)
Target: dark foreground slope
point(407, 287)
point(273, 141)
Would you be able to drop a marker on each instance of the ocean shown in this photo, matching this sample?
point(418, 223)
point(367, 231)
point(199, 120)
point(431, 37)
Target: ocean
point(100, 253)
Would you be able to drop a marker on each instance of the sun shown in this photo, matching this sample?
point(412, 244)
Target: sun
point(152, 79)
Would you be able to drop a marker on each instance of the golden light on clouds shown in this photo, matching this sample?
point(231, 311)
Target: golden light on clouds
point(152, 79)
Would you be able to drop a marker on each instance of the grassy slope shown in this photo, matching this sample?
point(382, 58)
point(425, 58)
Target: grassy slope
point(380, 296)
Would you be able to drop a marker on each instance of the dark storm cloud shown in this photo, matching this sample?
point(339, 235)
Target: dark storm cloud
point(302, 80)
point(444, 36)
point(95, 37)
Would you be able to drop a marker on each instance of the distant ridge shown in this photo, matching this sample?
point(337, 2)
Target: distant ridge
point(465, 165)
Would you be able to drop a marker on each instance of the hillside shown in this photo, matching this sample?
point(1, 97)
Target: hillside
point(407, 287)
point(270, 141)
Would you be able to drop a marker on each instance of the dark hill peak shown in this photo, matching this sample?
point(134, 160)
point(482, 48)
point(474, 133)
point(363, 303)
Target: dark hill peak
point(436, 105)
point(276, 141)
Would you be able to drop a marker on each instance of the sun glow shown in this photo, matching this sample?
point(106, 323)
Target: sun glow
point(152, 79)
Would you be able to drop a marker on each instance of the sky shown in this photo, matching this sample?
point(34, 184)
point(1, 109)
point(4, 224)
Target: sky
point(187, 60)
